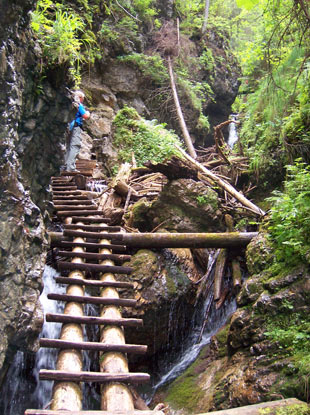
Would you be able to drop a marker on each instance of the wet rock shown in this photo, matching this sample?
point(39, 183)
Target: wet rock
point(259, 254)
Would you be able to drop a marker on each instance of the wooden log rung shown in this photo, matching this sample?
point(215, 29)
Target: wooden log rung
point(96, 346)
point(121, 302)
point(92, 255)
point(60, 375)
point(65, 318)
point(76, 173)
point(70, 202)
point(79, 213)
point(66, 192)
point(90, 219)
point(69, 197)
point(67, 188)
point(93, 235)
point(65, 412)
point(90, 245)
point(93, 228)
point(94, 267)
point(73, 208)
point(93, 283)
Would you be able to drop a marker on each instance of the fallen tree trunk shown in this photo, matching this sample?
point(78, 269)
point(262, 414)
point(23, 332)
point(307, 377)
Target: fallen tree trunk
point(226, 186)
point(178, 240)
point(186, 136)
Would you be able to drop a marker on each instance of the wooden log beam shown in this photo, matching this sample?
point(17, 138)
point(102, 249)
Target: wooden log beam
point(179, 240)
point(94, 267)
point(93, 283)
point(96, 346)
point(124, 322)
point(92, 255)
point(121, 302)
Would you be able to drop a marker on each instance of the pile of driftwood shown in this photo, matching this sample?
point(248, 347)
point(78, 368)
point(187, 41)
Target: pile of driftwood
point(216, 166)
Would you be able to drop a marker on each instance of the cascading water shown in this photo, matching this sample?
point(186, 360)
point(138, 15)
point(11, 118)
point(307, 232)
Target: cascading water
point(232, 129)
point(96, 186)
point(195, 341)
point(22, 389)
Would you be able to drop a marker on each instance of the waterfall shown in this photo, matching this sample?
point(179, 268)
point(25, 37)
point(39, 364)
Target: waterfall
point(46, 357)
point(232, 129)
point(22, 389)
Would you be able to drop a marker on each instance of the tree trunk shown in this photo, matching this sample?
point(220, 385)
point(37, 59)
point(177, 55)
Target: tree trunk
point(205, 17)
point(186, 136)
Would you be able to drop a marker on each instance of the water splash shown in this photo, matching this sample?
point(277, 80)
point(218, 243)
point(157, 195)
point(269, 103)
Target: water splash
point(96, 186)
point(217, 318)
point(233, 134)
point(45, 357)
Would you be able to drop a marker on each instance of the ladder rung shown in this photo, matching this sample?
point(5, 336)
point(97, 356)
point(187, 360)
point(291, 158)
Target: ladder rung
point(122, 302)
point(93, 376)
point(96, 346)
point(65, 412)
point(91, 245)
point(93, 283)
point(79, 213)
point(73, 208)
point(60, 202)
point(94, 228)
point(65, 318)
point(92, 255)
point(93, 235)
point(94, 267)
point(90, 219)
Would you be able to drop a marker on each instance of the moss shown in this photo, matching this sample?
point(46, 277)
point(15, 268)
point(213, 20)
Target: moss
point(184, 393)
point(221, 337)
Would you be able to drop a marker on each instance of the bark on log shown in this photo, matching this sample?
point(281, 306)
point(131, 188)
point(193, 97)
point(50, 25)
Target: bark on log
point(226, 186)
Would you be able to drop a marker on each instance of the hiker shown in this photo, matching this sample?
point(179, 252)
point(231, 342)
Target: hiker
point(76, 127)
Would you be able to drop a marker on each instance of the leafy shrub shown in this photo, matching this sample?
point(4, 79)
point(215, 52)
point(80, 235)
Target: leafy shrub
point(62, 36)
point(290, 217)
point(151, 66)
point(146, 139)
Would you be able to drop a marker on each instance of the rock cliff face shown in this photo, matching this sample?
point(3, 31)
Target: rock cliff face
point(32, 121)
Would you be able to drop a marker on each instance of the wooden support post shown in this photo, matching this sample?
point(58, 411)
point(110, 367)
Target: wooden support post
point(68, 395)
point(114, 396)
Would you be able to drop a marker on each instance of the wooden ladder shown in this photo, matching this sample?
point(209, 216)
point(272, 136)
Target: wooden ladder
point(90, 251)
